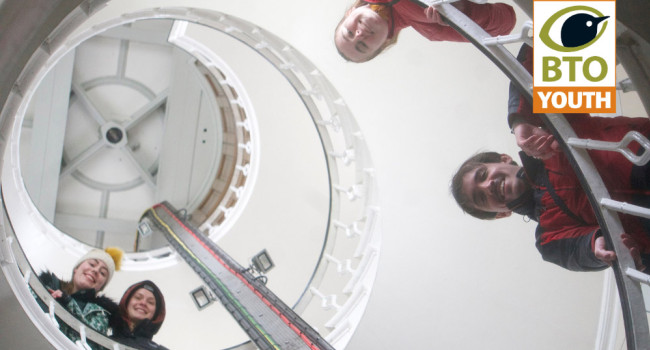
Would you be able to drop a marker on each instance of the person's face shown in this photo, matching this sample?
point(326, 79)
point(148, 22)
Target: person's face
point(91, 273)
point(491, 185)
point(141, 306)
point(360, 34)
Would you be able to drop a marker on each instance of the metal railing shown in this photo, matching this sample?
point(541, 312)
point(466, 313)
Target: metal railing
point(628, 279)
point(352, 235)
point(23, 281)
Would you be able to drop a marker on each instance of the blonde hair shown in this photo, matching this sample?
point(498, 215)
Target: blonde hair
point(111, 256)
point(388, 43)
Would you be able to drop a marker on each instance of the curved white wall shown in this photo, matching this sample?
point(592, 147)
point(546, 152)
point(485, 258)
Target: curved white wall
point(445, 280)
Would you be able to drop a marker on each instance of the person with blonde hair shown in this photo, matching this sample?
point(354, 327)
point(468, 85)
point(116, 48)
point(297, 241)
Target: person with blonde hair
point(79, 295)
point(370, 26)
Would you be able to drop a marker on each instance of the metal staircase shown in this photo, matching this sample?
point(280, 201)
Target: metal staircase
point(267, 320)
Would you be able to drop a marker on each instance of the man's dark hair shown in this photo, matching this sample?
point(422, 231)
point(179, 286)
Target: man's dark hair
point(457, 183)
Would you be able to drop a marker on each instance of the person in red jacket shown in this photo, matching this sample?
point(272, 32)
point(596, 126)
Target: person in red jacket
point(490, 185)
point(545, 189)
point(370, 26)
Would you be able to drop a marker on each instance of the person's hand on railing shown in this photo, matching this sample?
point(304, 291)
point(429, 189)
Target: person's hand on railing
point(535, 141)
point(434, 16)
point(609, 256)
point(630, 243)
point(60, 296)
point(55, 293)
point(602, 253)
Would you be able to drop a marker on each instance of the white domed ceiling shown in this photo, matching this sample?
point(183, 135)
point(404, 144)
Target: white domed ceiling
point(220, 118)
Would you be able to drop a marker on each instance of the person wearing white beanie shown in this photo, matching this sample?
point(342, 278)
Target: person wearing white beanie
point(111, 257)
point(79, 296)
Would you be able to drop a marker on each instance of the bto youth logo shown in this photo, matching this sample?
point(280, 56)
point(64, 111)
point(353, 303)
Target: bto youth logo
point(574, 56)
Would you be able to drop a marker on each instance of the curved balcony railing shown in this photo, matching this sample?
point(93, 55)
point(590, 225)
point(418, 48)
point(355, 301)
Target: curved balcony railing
point(338, 291)
point(354, 212)
point(23, 280)
point(628, 279)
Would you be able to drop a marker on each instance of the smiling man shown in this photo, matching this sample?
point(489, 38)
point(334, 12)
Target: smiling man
point(545, 189)
point(490, 185)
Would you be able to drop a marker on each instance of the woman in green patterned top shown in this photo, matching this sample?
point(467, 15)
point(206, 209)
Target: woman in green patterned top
point(79, 296)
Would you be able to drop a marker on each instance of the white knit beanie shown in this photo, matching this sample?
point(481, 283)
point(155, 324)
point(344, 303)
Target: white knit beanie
point(111, 260)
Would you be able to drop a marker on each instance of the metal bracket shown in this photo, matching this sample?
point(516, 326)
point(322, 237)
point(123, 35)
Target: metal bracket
point(620, 146)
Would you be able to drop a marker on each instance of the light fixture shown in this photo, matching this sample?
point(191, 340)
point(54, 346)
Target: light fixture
point(144, 229)
point(202, 297)
point(262, 262)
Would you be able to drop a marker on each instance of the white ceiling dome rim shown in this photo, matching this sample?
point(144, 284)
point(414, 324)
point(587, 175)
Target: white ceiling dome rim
point(24, 215)
point(24, 212)
point(211, 61)
point(354, 150)
point(133, 261)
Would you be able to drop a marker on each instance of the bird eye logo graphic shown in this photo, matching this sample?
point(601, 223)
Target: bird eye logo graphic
point(578, 31)
point(574, 57)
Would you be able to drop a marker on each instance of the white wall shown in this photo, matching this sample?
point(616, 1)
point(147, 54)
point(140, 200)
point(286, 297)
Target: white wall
point(445, 280)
